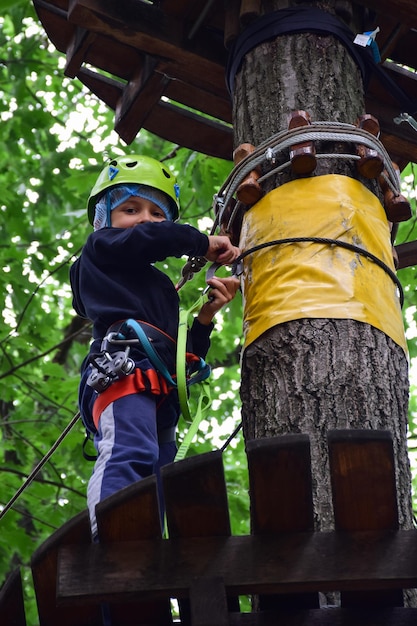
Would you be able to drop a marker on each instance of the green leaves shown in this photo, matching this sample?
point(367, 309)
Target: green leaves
point(49, 157)
point(48, 163)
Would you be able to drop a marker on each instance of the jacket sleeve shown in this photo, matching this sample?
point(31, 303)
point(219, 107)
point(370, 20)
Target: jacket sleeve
point(148, 243)
point(74, 281)
point(200, 338)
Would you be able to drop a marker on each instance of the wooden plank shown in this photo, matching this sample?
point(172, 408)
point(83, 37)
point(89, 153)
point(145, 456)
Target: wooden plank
point(364, 495)
point(176, 7)
point(188, 129)
point(113, 57)
point(166, 120)
point(280, 484)
point(208, 602)
point(130, 514)
point(285, 563)
point(150, 30)
point(54, 20)
point(216, 105)
point(404, 50)
point(363, 480)
point(196, 497)
point(44, 571)
point(76, 50)
point(328, 617)
point(12, 608)
point(281, 498)
point(125, 30)
point(196, 13)
point(388, 36)
point(196, 506)
point(400, 10)
point(139, 97)
point(107, 89)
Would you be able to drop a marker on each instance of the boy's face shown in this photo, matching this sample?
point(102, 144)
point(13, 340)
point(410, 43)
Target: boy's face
point(136, 211)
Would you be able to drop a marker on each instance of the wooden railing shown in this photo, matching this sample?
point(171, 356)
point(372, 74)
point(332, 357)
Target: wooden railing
point(133, 573)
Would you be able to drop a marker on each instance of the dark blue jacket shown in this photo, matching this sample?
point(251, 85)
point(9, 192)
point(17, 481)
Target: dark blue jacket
point(114, 278)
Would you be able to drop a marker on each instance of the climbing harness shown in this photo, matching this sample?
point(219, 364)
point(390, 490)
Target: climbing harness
point(109, 367)
point(118, 365)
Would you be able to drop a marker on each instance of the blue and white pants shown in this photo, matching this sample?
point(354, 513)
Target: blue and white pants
point(128, 448)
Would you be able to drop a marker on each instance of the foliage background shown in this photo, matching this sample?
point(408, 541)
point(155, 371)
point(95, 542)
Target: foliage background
point(55, 137)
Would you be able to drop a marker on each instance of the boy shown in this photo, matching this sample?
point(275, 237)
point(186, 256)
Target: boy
point(133, 207)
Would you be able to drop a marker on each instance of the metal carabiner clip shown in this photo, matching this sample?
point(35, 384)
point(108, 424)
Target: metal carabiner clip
point(210, 274)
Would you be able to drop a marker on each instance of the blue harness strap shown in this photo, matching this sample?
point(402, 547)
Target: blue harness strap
point(151, 353)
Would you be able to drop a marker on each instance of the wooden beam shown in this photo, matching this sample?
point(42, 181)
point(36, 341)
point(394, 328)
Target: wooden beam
point(76, 50)
point(287, 563)
point(209, 102)
point(105, 88)
point(140, 95)
point(400, 10)
point(188, 129)
point(328, 617)
point(166, 120)
point(150, 30)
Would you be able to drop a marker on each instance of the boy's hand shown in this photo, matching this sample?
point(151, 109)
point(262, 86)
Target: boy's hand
point(221, 250)
point(222, 291)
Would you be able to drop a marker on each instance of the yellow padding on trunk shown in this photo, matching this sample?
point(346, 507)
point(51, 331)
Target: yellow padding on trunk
point(315, 280)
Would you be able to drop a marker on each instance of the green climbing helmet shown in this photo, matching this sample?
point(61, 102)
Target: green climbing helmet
point(135, 168)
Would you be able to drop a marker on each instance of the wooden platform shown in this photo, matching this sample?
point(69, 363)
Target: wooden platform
point(161, 65)
point(133, 573)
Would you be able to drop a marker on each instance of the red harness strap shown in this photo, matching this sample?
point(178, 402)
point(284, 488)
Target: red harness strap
point(136, 382)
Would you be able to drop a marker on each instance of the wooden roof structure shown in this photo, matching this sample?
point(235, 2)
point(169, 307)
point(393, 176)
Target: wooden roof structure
point(160, 65)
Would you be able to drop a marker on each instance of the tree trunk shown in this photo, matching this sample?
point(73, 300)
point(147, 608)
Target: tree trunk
point(314, 374)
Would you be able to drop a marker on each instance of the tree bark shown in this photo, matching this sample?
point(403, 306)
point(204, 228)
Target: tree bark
point(312, 375)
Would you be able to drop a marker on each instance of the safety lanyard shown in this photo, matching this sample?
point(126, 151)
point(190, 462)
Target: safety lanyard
point(204, 400)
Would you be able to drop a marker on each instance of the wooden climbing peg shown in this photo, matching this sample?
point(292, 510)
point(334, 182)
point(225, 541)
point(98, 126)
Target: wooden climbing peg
point(249, 190)
point(249, 11)
point(371, 163)
point(303, 154)
point(397, 207)
point(231, 22)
